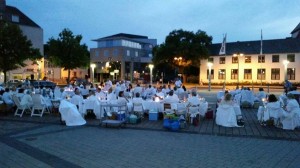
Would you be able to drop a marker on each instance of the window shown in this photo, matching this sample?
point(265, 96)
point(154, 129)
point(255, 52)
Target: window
point(291, 57)
point(210, 60)
point(275, 74)
point(136, 53)
point(15, 18)
point(234, 73)
point(247, 59)
point(291, 73)
point(275, 58)
point(222, 60)
point(128, 53)
point(235, 60)
point(116, 52)
point(106, 53)
point(222, 74)
point(212, 74)
point(261, 59)
point(97, 53)
point(247, 73)
point(261, 74)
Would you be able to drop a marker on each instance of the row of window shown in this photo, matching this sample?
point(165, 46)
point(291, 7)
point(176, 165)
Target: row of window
point(261, 74)
point(261, 59)
point(119, 43)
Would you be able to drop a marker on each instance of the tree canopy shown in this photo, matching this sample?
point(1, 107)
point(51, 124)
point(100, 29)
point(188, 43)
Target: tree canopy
point(15, 48)
point(67, 52)
point(190, 47)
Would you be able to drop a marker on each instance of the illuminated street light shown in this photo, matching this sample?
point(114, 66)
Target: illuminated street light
point(209, 64)
point(93, 72)
point(151, 68)
point(285, 63)
point(238, 75)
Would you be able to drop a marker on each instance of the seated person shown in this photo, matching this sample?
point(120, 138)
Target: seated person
point(225, 114)
point(272, 110)
point(111, 95)
point(77, 98)
point(20, 93)
point(26, 100)
point(7, 98)
point(290, 118)
point(260, 95)
point(100, 94)
point(159, 93)
point(171, 98)
point(121, 98)
point(92, 96)
point(193, 100)
point(137, 98)
point(138, 89)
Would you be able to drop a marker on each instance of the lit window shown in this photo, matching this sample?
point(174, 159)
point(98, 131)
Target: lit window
point(275, 74)
point(247, 73)
point(261, 74)
point(222, 74)
point(247, 59)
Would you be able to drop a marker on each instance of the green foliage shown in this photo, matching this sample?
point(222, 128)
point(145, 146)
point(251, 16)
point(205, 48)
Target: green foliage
point(15, 48)
point(67, 52)
point(190, 46)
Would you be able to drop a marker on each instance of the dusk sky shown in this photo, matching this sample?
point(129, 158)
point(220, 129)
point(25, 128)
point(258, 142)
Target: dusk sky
point(242, 20)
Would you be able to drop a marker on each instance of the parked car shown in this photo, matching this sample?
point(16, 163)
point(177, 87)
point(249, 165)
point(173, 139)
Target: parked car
point(14, 82)
point(41, 84)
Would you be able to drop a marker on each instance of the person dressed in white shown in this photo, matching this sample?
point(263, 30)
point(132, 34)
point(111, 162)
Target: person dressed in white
point(171, 98)
point(137, 98)
point(290, 118)
point(165, 90)
point(273, 109)
point(178, 83)
point(111, 95)
point(225, 114)
point(118, 88)
point(7, 97)
point(77, 98)
point(26, 100)
point(193, 100)
point(100, 94)
point(159, 93)
point(260, 95)
point(138, 89)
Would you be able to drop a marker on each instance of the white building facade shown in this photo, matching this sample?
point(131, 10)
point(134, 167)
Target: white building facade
point(244, 63)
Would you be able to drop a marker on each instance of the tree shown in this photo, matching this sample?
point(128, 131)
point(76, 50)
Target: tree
point(15, 48)
point(67, 52)
point(183, 49)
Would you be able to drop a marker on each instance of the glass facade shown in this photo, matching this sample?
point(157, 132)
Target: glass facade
point(119, 43)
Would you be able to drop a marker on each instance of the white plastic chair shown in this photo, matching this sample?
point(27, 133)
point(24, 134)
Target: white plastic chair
point(138, 108)
point(19, 107)
point(193, 112)
point(38, 108)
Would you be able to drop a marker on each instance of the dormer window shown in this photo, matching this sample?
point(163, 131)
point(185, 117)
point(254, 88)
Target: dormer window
point(15, 18)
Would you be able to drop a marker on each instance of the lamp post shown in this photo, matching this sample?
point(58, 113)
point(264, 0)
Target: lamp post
point(238, 74)
point(209, 64)
point(285, 63)
point(93, 72)
point(179, 59)
point(151, 68)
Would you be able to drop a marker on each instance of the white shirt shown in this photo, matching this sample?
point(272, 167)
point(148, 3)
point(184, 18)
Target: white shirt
point(7, 98)
point(26, 100)
point(178, 83)
point(194, 101)
point(172, 99)
point(137, 100)
point(76, 99)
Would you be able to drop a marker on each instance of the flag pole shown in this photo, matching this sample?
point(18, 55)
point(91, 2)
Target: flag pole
point(261, 47)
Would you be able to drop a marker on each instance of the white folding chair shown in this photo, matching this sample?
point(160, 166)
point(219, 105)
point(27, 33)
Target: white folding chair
point(193, 112)
point(138, 108)
point(38, 108)
point(19, 107)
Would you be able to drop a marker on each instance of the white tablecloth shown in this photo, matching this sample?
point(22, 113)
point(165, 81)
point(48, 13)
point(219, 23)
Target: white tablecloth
point(70, 114)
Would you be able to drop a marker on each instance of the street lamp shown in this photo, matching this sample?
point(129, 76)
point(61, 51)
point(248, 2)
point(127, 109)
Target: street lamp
point(93, 72)
point(238, 75)
point(285, 63)
point(151, 67)
point(209, 64)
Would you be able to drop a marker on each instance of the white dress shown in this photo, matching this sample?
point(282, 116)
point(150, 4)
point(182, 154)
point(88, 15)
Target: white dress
point(225, 116)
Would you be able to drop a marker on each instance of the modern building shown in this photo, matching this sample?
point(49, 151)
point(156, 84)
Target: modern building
point(245, 62)
point(122, 56)
point(33, 32)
